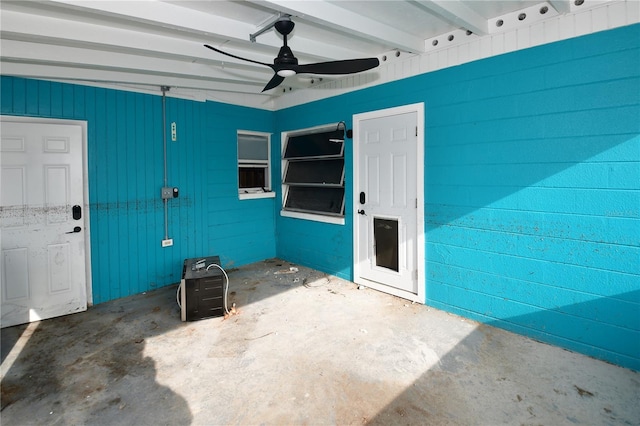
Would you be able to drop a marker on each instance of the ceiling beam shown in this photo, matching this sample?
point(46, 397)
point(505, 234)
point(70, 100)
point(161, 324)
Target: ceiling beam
point(57, 72)
point(243, 99)
point(41, 29)
point(89, 59)
point(194, 22)
point(562, 6)
point(348, 22)
point(306, 49)
point(166, 15)
point(457, 13)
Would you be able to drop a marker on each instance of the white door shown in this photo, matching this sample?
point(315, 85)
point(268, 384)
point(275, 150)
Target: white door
point(43, 222)
point(388, 164)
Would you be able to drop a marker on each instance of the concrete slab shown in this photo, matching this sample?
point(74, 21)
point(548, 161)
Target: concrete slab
point(306, 348)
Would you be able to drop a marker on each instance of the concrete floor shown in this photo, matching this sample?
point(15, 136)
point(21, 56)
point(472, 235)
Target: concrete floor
point(306, 348)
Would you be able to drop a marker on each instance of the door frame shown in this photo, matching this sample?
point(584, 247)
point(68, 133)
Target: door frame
point(85, 193)
point(418, 108)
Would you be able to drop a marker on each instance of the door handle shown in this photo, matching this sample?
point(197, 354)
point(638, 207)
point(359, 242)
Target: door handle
point(75, 230)
point(362, 197)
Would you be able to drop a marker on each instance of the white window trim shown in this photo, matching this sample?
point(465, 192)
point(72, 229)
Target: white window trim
point(317, 217)
point(255, 193)
point(311, 216)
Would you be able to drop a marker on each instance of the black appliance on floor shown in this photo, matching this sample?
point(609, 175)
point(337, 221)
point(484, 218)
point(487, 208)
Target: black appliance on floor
point(201, 289)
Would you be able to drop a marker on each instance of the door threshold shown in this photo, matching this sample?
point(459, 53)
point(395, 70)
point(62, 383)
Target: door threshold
point(413, 297)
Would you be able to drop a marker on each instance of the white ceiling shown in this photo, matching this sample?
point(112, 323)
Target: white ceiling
point(138, 44)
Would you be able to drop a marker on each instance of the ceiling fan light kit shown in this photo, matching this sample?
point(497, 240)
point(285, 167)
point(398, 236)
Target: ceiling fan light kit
point(286, 64)
point(286, 73)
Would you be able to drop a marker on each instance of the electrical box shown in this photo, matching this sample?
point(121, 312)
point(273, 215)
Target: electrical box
point(169, 192)
point(201, 289)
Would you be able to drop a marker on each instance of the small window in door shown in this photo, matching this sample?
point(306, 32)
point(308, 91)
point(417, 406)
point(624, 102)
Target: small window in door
point(254, 177)
point(313, 172)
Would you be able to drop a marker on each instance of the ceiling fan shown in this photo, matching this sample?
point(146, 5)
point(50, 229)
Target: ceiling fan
point(286, 64)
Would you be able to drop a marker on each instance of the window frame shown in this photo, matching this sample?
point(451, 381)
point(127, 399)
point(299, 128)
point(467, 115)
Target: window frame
point(338, 219)
point(254, 192)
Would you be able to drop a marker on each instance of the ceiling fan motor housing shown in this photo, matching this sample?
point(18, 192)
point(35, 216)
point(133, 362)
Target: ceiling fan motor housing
point(285, 57)
point(284, 25)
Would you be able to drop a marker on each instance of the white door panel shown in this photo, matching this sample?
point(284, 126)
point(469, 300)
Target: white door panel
point(387, 170)
point(387, 147)
point(43, 260)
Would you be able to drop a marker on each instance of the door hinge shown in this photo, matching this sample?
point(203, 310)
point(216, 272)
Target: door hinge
point(416, 130)
point(416, 203)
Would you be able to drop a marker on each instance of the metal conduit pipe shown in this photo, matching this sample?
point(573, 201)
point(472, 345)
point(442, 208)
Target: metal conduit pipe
point(165, 89)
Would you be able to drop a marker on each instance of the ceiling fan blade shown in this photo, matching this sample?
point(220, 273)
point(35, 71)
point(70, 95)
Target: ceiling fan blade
point(348, 66)
point(238, 57)
point(274, 82)
point(286, 64)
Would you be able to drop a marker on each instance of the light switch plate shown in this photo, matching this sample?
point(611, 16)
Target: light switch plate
point(167, 192)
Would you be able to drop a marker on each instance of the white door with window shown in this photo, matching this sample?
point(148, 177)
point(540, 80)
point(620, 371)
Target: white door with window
point(43, 215)
point(388, 201)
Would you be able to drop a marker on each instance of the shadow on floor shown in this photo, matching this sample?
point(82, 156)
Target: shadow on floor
point(517, 386)
point(305, 349)
point(80, 368)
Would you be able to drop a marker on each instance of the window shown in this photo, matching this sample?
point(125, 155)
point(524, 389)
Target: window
point(254, 177)
point(313, 174)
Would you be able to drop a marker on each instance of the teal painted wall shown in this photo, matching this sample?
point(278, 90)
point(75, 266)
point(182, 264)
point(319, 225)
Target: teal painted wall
point(322, 246)
point(532, 177)
point(125, 161)
point(532, 180)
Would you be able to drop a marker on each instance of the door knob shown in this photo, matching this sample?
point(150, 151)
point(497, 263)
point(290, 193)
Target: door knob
point(75, 230)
